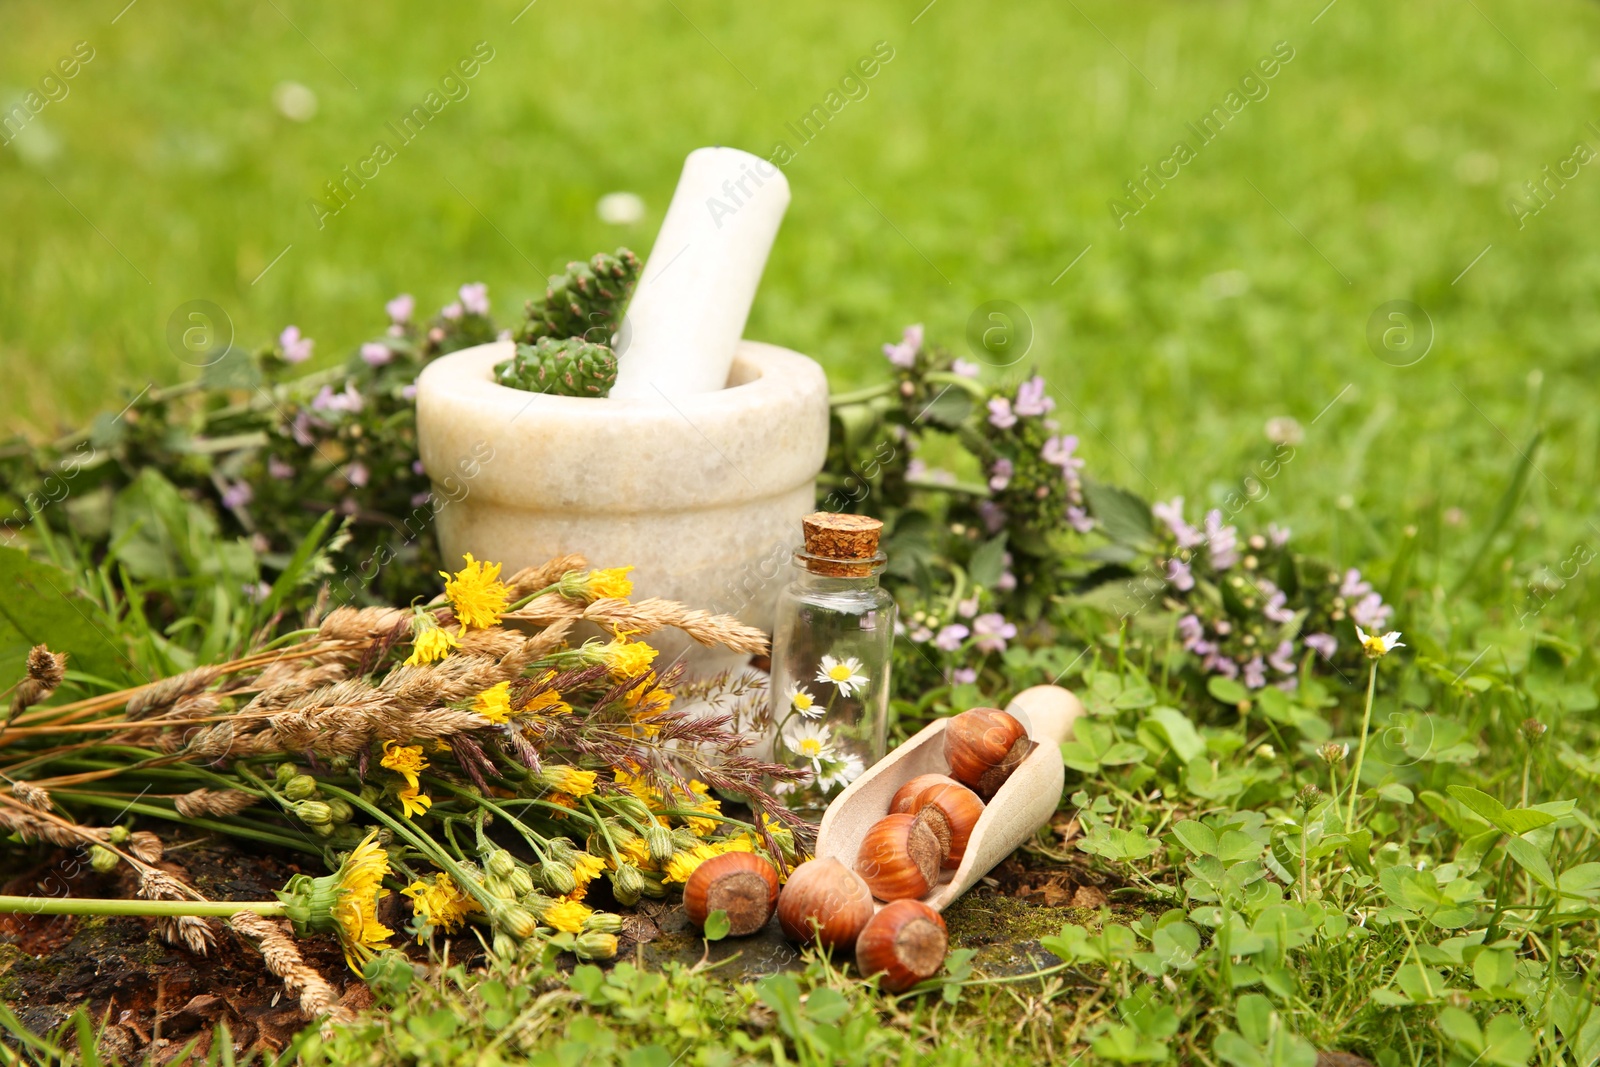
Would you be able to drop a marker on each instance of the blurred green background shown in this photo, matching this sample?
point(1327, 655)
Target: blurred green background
point(980, 164)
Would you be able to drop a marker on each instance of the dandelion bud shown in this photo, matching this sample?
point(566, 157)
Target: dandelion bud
point(1533, 731)
point(603, 922)
point(102, 859)
point(314, 813)
point(653, 887)
point(684, 839)
point(557, 878)
point(520, 881)
point(118, 835)
point(300, 787)
point(500, 863)
point(322, 829)
point(371, 793)
point(505, 947)
point(658, 839)
point(342, 811)
point(517, 922)
point(627, 883)
point(1333, 753)
point(499, 888)
point(537, 904)
point(595, 946)
point(561, 851)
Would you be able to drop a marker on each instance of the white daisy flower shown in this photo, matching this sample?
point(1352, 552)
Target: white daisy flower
point(845, 674)
point(1377, 647)
point(841, 773)
point(802, 701)
point(809, 741)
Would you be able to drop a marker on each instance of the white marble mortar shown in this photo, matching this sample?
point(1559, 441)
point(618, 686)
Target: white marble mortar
point(703, 494)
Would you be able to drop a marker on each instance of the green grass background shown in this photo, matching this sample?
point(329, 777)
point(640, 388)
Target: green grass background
point(978, 167)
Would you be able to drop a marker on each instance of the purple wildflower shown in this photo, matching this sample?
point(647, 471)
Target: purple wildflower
point(951, 636)
point(904, 354)
point(993, 632)
point(295, 348)
point(1191, 629)
point(921, 635)
point(419, 499)
point(237, 495)
point(968, 607)
point(279, 469)
point(1353, 586)
point(1278, 534)
point(256, 592)
point(916, 470)
point(1371, 613)
point(1000, 415)
point(349, 400)
point(452, 312)
point(1000, 474)
point(1222, 665)
point(1222, 541)
point(1255, 673)
point(400, 309)
point(475, 298)
point(410, 391)
point(1323, 644)
point(1079, 519)
point(1059, 451)
point(1178, 574)
point(963, 676)
point(1031, 399)
point(1282, 658)
point(302, 426)
point(374, 354)
point(1171, 513)
point(417, 468)
point(1007, 582)
point(964, 368)
point(993, 515)
point(357, 474)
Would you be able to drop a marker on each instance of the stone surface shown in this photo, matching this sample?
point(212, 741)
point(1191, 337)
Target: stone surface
point(702, 494)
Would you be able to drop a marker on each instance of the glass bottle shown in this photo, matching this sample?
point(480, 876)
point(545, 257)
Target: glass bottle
point(830, 659)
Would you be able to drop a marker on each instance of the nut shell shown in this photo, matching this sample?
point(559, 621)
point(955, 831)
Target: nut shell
point(899, 857)
point(983, 746)
point(957, 810)
point(830, 893)
point(903, 797)
point(906, 942)
point(740, 883)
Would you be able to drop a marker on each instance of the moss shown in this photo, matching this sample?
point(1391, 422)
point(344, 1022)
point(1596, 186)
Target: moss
point(1005, 931)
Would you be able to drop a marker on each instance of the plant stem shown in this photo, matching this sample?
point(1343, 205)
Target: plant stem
point(1361, 747)
point(163, 908)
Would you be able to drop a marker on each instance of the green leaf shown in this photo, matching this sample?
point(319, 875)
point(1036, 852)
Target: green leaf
point(1172, 726)
point(1125, 518)
point(1462, 1029)
point(1506, 820)
point(988, 562)
point(1507, 1042)
point(1531, 860)
point(1227, 690)
point(1196, 836)
point(41, 605)
point(717, 925)
point(1494, 968)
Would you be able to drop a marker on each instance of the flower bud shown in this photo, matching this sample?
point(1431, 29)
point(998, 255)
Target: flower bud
point(556, 878)
point(537, 904)
point(603, 922)
point(521, 882)
point(118, 835)
point(342, 811)
point(658, 839)
point(500, 863)
point(300, 787)
point(1333, 753)
point(499, 888)
point(1308, 796)
point(284, 772)
point(517, 922)
point(1533, 731)
point(505, 947)
point(653, 887)
point(314, 813)
point(683, 839)
point(626, 884)
point(371, 793)
point(595, 946)
point(102, 859)
point(561, 851)
point(322, 829)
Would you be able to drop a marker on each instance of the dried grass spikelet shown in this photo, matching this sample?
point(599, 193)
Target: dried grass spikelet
point(644, 617)
point(145, 845)
point(38, 825)
point(157, 697)
point(191, 931)
point(283, 683)
point(532, 579)
point(46, 671)
point(362, 625)
point(31, 795)
point(213, 802)
point(316, 996)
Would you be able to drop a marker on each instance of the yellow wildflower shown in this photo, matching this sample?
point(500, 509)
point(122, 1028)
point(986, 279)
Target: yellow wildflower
point(429, 640)
point(360, 887)
point(609, 582)
point(494, 703)
point(414, 802)
point(639, 786)
point(548, 702)
point(566, 915)
point(441, 903)
point(624, 658)
point(585, 869)
point(632, 849)
point(477, 594)
point(569, 780)
point(683, 864)
point(404, 760)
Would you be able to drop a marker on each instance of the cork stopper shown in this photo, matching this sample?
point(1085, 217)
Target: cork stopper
point(835, 541)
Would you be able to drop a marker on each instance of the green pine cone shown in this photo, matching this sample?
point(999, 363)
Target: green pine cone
point(586, 301)
point(568, 367)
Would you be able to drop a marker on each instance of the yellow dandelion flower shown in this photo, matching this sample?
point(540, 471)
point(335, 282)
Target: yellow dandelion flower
point(632, 849)
point(404, 760)
point(494, 703)
point(566, 916)
point(344, 903)
point(561, 800)
point(705, 827)
point(477, 594)
point(360, 932)
point(638, 785)
point(569, 780)
point(414, 802)
point(585, 869)
point(683, 864)
point(429, 640)
point(609, 582)
point(441, 903)
point(646, 700)
point(548, 702)
point(624, 658)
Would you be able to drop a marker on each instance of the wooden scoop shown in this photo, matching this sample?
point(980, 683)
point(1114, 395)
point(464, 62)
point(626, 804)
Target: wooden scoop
point(1025, 803)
